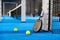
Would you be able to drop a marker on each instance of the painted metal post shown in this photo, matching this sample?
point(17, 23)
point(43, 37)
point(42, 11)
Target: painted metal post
point(45, 14)
point(0, 10)
point(23, 10)
point(51, 11)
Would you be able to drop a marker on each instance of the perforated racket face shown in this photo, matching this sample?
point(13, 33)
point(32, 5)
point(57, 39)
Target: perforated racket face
point(37, 25)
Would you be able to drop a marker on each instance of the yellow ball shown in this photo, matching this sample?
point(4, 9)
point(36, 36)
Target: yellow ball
point(15, 29)
point(28, 32)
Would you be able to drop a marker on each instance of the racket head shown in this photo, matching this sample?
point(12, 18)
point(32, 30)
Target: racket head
point(37, 26)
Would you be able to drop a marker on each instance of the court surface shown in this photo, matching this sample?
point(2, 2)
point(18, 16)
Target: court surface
point(8, 24)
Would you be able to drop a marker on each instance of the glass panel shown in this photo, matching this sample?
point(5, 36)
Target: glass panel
point(56, 16)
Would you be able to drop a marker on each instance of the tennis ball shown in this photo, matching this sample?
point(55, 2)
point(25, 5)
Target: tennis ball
point(28, 32)
point(15, 29)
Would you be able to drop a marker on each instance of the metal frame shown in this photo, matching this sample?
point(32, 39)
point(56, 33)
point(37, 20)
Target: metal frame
point(4, 6)
point(44, 13)
point(23, 10)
